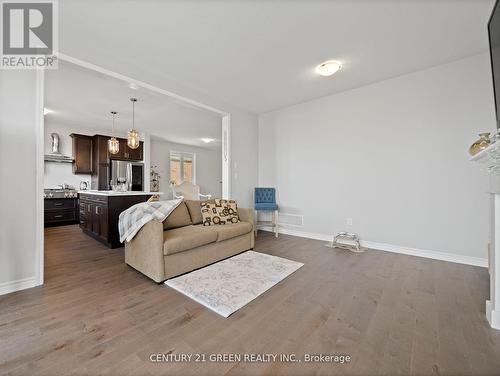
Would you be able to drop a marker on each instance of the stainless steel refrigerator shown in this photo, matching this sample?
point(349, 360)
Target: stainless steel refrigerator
point(127, 174)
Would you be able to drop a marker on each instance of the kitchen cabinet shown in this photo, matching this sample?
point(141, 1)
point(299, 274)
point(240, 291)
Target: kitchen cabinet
point(99, 215)
point(100, 221)
point(134, 154)
point(94, 216)
point(100, 177)
point(59, 212)
point(86, 217)
point(82, 153)
point(128, 154)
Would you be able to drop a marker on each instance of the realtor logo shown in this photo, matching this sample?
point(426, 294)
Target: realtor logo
point(28, 35)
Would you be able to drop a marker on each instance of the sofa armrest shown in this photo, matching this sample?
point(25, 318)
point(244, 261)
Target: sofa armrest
point(145, 251)
point(246, 215)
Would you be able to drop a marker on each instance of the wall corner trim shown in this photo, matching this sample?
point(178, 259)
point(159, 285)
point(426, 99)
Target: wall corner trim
point(435, 255)
point(20, 284)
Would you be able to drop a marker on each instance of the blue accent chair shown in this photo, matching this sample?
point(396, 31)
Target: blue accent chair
point(265, 200)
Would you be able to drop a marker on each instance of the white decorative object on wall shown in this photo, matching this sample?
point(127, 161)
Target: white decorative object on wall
point(154, 179)
point(490, 157)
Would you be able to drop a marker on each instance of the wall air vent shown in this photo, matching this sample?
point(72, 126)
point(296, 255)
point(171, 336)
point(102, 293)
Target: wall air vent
point(287, 219)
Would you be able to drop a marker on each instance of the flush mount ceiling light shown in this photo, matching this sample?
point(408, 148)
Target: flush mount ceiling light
point(133, 86)
point(113, 143)
point(328, 68)
point(207, 140)
point(133, 135)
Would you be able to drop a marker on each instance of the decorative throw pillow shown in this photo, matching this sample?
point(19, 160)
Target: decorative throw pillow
point(219, 213)
point(230, 210)
point(211, 214)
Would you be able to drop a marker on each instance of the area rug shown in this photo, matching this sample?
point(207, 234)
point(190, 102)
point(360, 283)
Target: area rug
point(228, 285)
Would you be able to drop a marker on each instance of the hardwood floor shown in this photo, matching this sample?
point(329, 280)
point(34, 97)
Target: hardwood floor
point(392, 314)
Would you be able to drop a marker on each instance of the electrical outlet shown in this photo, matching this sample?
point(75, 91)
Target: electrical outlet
point(348, 221)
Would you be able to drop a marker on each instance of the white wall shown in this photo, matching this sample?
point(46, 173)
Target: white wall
point(18, 189)
point(392, 156)
point(208, 166)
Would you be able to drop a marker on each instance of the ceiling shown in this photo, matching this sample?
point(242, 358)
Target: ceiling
point(260, 55)
point(81, 97)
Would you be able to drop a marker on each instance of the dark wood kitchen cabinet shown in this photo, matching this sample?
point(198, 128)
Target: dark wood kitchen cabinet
point(100, 177)
point(99, 215)
point(134, 154)
point(82, 153)
point(128, 154)
point(100, 222)
point(60, 211)
point(85, 215)
point(94, 218)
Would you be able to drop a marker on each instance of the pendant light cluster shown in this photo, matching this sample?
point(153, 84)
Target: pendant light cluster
point(133, 140)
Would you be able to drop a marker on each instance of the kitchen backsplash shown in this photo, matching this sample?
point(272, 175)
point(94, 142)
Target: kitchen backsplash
point(58, 173)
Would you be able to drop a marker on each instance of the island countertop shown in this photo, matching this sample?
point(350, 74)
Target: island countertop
point(115, 193)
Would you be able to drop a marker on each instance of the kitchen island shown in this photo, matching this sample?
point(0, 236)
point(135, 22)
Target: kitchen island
point(100, 211)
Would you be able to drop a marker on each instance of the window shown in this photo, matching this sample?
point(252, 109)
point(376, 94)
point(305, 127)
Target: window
point(182, 167)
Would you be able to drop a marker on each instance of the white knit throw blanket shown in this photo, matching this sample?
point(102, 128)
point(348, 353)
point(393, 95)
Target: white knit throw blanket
point(132, 219)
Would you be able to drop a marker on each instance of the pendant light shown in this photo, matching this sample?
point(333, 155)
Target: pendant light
point(113, 144)
point(133, 136)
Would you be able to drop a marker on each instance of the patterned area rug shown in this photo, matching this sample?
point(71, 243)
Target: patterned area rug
point(228, 285)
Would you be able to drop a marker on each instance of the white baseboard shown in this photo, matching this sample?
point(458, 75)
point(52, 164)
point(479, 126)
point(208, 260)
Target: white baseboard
point(435, 255)
point(492, 316)
point(20, 284)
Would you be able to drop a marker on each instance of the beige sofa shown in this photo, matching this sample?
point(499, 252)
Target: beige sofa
point(181, 243)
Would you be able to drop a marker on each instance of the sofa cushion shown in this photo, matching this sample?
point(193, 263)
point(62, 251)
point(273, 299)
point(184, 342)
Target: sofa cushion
point(232, 230)
point(194, 207)
point(188, 237)
point(178, 218)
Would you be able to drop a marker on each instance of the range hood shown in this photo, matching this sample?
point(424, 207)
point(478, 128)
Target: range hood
point(56, 156)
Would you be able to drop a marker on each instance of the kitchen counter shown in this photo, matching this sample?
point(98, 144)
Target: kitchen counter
point(100, 212)
point(115, 193)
